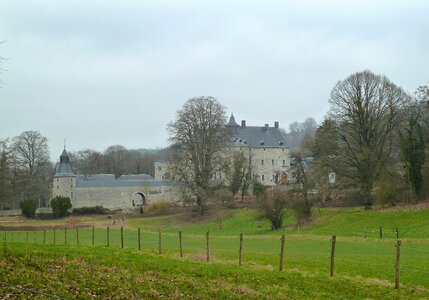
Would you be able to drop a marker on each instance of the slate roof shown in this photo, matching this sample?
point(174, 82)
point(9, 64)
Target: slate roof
point(108, 180)
point(232, 122)
point(258, 136)
point(135, 177)
point(63, 168)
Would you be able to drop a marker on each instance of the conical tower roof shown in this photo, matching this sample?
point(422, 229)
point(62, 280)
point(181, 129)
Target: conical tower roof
point(232, 122)
point(64, 168)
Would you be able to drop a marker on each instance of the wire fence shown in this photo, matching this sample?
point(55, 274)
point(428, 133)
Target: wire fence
point(368, 258)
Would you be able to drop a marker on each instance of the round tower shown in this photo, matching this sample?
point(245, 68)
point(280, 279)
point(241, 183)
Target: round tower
point(64, 182)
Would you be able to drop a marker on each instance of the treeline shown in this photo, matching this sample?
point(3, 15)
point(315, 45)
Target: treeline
point(117, 160)
point(374, 143)
point(26, 170)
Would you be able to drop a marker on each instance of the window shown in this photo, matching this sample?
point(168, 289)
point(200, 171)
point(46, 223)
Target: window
point(159, 168)
point(58, 180)
point(284, 163)
point(71, 179)
point(71, 186)
point(262, 162)
point(71, 194)
point(272, 162)
point(263, 177)
point(58, 187)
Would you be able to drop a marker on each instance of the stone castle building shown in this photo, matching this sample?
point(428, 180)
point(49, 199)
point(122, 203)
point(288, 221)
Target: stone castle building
point(126, 192)
point(264, 145)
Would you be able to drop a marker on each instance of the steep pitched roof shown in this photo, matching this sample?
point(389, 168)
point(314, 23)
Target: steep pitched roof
point(63, 168)
point(232, 122)
point(258, 136)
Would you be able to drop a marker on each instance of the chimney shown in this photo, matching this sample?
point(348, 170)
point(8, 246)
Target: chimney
point(243, 123)
point(276, 124)
point(266, 126)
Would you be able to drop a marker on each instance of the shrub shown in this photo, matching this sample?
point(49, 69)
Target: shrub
point(302, 208)
point(60, 205)
point(158, 208)
point(258, 189)
point(94, 210)
point(272, 205)
point(28, 207)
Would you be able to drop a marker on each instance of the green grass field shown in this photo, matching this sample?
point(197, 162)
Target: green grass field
point(365, 267)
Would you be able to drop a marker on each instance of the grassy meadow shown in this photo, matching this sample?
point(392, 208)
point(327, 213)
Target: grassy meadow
point(364, 267)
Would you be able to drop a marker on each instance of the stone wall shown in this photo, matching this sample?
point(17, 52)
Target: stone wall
point(64, 186)
point(122, 197)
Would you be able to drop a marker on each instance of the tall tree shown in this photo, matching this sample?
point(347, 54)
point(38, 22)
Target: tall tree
point(422, 93)
point(116, 160)
point(86, 162)
point(31, 156)
point(5, 175)
point(303, 183)
point(367, 109)
point(412, 146)
point(199, 137)
point(238, 173)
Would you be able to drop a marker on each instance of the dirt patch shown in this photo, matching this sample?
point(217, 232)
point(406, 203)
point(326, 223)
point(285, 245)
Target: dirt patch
point(41, 227)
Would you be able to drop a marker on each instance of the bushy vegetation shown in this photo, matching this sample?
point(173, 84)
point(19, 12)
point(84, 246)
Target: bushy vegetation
point(272, 206)
point(28, 207)
point(60, 206)
point(158, 208)
point(94, 210)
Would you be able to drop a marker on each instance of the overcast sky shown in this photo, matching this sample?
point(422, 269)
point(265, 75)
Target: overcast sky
point(100, 73)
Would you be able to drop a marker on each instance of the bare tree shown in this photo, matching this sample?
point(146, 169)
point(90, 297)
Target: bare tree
point(272, 204)
point(31, 158)
point(422, 93)
point(367, 110)
point(199, 137)
point(303, 184)
point(238, 173)
point(116, 160)
point(86, 162)
point(5, 175)
point(1, 69)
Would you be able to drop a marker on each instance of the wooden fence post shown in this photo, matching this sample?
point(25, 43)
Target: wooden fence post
point(398, 263)
point(138, 238)
point(208, 247)
point(333, 240)
point(159, 243)
point(65, 235)
point(77, 235)
point(54, 236)
point(180, 244)
point(44, 236)
point(122, 237)
point(282, 251)
point(381, 232)
point(108, 236)
point(397, 233)
point(240, 255)
point(93, 235)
